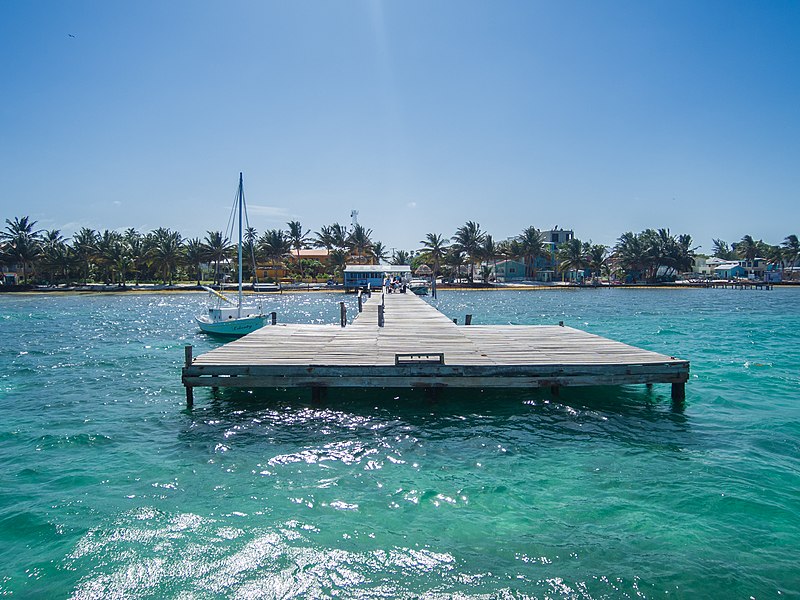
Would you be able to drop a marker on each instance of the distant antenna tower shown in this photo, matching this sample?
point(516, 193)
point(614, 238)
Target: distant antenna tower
point(354, 217)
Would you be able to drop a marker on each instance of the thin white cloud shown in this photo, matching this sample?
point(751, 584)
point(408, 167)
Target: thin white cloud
point(269, 212)
point(412, 205)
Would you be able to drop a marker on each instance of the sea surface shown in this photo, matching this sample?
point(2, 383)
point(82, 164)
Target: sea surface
point(111, 488)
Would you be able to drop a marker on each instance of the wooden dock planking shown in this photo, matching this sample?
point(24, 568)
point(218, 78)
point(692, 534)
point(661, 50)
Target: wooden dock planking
point(363, 355)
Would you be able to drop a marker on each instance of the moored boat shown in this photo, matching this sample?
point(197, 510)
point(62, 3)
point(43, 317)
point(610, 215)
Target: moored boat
point(226, 317)
point(419, 286)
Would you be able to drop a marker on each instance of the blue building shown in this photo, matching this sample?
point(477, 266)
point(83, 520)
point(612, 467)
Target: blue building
point(509, 270)
point(730, 270)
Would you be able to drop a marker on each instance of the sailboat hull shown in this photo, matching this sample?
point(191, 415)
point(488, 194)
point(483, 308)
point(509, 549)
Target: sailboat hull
point(232, 326)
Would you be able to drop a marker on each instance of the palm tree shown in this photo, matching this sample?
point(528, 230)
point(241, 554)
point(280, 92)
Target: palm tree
point(338, 258)
point(454, 259)
point(195, 255)
point(108, 251)
point(469, 239)
point(84, 245)
point(22, 243)
point(630, 254)
point(434, 249)
point(489, 252)
point(218, 248)
point(339, 235)
point(166, 252)
point(324, 238)
point(55, 255)
point(747, 248)
point(135, 244)
point(683, 253)
point(572, 255)
point(400, 257)
point(249, 251)
point(791, 249)
point(298, 239)
point(722, 250)
point(597, 258)
point(380, 252)
point(274, 245)
point(531, 246)
point(776, 256)
point(359, 241)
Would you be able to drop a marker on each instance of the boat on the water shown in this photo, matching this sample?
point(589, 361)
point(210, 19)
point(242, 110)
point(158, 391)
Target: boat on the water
point(225, 316)
point(228, 317)
point(419, 286)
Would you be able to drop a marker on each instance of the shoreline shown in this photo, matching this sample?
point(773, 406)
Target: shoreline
point(101, 289)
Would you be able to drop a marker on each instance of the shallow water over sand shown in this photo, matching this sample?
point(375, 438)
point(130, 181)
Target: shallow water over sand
point(111, 488)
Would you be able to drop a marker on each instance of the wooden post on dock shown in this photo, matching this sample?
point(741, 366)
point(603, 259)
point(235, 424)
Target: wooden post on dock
point(187, 352)
point(360, 302)
point(342, 314)
point(678, 392)
point(380, 315)
point(274, 316)
point(468, 320)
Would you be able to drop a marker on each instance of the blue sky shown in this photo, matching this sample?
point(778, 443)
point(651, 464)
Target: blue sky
point(602, 117)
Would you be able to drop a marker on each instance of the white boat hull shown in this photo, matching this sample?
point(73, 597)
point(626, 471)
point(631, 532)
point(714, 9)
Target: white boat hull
point(232, 326)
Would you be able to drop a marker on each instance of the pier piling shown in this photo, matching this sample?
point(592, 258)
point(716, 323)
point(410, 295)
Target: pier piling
point(187, 354)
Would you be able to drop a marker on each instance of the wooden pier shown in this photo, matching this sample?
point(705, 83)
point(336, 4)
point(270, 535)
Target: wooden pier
point(740, 285)
point(401, 341)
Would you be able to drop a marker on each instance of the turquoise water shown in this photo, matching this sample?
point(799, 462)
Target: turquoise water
point(110, 487)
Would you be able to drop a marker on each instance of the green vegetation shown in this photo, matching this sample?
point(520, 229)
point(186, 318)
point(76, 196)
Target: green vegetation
point(163, 255)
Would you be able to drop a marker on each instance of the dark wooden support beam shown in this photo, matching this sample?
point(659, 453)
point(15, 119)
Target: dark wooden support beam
point(187, 353)
point(679, 392)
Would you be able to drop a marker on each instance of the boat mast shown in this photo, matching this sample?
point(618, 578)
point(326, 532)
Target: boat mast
point(241, 201)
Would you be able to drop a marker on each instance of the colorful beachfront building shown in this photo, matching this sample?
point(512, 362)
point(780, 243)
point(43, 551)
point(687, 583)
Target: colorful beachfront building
point(719, 268)
point(730, 270)
point(544, 267)
point(508, 270)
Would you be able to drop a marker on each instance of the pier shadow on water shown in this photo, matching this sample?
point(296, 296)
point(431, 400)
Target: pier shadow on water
point(631, 415)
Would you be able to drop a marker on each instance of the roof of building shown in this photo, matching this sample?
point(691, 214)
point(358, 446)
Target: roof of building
point(311, 252)
point(509, 260)
point(375, 268)
point(727, 266)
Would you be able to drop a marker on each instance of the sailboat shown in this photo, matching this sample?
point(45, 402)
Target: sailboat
point(225, 316)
